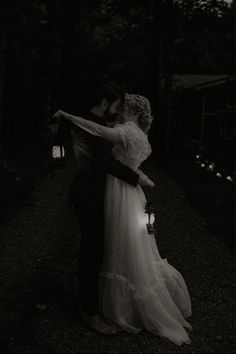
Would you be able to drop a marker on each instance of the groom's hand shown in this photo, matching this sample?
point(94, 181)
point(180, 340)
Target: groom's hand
point(57, 116)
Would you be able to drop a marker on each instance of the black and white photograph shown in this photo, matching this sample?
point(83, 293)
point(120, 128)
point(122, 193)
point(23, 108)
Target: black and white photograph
point(117, 176)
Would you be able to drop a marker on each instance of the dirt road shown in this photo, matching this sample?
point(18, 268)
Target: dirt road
point(38, 274)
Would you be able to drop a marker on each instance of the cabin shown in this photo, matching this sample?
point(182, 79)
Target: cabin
point(204, 113)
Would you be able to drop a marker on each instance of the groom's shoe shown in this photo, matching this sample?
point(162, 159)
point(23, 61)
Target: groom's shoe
point(98, 325)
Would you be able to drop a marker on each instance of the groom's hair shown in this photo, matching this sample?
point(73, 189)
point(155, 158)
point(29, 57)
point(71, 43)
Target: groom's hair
point(108, 91)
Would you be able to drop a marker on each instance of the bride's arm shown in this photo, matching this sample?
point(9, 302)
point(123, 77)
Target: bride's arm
point(93, 128)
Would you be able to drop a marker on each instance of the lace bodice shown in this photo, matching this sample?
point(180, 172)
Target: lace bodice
point(135, 147)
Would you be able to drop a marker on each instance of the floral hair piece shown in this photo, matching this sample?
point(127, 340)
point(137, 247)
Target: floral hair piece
point(140, 105)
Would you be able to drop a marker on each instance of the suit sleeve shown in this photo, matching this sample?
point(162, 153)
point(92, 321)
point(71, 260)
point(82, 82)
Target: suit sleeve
point(117, 169)
point(113, 135)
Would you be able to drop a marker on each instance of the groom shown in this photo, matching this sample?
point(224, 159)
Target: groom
point(93, 162)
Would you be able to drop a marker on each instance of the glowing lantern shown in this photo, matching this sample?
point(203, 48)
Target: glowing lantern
point(58, 153)
point(149, 218)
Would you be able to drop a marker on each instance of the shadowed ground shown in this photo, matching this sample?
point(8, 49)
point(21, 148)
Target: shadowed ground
point(38, 275)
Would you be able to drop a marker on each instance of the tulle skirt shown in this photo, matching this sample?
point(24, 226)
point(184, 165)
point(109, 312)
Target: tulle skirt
point(138, 289)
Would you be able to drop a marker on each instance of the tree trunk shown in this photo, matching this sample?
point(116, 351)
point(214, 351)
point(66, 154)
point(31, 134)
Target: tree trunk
point(168, 53)
point(156, 70)
point(71, 88)
point(3, 44)
point(163, 43)
point(167, 70)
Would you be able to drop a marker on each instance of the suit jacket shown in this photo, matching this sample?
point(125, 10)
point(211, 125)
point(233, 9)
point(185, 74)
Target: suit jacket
point(93, 162)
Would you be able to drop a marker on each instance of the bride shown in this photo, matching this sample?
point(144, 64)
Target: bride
point(139, 289)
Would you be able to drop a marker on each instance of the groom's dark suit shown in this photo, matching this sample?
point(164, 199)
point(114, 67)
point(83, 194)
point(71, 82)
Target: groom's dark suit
point(93, 162)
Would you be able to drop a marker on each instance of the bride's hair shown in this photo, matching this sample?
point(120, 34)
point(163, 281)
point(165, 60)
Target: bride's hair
point(140, 105)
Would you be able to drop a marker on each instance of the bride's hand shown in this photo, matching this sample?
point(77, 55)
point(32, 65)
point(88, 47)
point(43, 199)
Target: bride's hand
point(149, 183)
point(145, 181)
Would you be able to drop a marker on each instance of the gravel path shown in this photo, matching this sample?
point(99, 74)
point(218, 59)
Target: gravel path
point(38, 264)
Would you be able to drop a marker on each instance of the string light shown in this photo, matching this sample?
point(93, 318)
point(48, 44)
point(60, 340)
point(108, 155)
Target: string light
point(210, 166)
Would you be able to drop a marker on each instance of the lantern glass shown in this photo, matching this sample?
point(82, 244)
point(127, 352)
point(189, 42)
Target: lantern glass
point(149, 218)
point(152, 218)
point(146, 218)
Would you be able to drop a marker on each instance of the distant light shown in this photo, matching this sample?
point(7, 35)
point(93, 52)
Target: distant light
point(218, 174)
point(197, 156)
point(203, 165)
point(229, 178)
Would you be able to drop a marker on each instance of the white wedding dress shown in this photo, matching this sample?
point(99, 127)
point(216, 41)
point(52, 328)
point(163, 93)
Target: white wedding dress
point(138, 289)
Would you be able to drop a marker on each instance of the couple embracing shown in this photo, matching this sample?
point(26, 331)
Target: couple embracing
point(124, 284)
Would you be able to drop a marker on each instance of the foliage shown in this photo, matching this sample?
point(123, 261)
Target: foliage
point(114, 41)
point(57, 50)
point(204, 36)
point(33, 65)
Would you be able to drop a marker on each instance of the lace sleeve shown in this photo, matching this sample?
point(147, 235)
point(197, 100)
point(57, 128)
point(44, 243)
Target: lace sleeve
point(122, 134)
point(134, 141)
point(94, 128)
